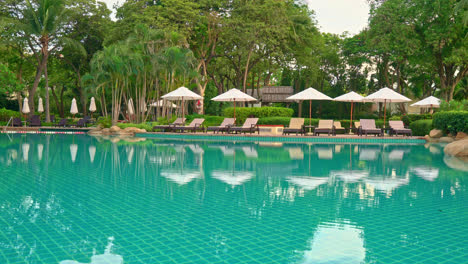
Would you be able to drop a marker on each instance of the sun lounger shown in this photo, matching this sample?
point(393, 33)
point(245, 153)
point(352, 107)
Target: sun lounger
point(62, 122)
point(296, 125)
point(224, 127)
point(35, 121)
point(398, 127)
point(324, 126)
point(250, 125)
point(178, 122)
point(195, 125)
point(17, 122)
point(338, 127)
point(357, 125)
point(81, 123)
point(368, 127)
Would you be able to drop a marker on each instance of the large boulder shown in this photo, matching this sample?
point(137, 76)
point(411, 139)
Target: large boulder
point(457, 148)
point(95, 131)
point(446, 139)
point(436, 133)
point(106, 131)
point(430, 139)
point(114, 129)
point(460, 136)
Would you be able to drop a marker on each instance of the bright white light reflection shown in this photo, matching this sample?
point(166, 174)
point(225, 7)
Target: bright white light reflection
point(106, 258)
point(336, 243)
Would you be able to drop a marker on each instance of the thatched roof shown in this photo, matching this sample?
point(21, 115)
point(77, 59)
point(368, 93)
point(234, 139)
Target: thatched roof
point(272, 94)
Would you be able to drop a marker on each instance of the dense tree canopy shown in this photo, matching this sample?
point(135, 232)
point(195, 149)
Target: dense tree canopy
point(417, 47)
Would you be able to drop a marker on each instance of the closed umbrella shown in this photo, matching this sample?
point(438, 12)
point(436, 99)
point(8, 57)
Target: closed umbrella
point(428, 102)
point(181, 94)
point(309, 94)
point(73, 108)
point(234, 95)
point(385, 95)
point(40, 107)
point(351, 97)
point(92, 105)
point(25, 109)
point(130, 108)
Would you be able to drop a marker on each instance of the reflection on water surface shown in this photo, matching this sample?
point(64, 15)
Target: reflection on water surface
point(79, 199)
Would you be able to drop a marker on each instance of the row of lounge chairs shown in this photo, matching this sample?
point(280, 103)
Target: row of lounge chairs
point(35, 121)
point(227, 126)
point(296, 126)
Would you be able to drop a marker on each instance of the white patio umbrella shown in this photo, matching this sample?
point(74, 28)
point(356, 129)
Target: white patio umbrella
point(351, 97)
point(92, 105)
point(73, 108)
point(234, 95)
point(182, 94)
point(385, 95)
point(428, 102)
point(309, 94)
point(25, 109)
point(40, 107)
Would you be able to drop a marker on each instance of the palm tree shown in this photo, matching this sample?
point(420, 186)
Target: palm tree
point(41, 21)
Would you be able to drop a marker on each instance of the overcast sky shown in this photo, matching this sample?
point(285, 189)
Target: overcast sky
point(333, 16)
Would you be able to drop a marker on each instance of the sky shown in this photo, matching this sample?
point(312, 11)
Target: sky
point(333, 16)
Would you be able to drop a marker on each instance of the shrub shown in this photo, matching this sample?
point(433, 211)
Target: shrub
point(147, 126)
point(408, 119)
point(5, 114)
point(243, 112)
point(105, 122)
point(451, 122)
point(454, 105)
point(209, 120)
point(421, 127)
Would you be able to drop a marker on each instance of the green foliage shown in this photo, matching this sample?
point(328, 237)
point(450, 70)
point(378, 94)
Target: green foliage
point(5, 114)
point(209, 120)
point(408, 119)
point(244, 112)
point(395, 118)
point(454, 105)
point(421, 127)
point(147, 126)
point(105, 122)
point(451, 122)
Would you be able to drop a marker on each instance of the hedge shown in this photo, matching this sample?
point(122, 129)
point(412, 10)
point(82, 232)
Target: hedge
point(421, 127)
point(209, 120)
point(243, 113)
point(147, 126)
point(5, 114)
point(451, 121)
point(408, 119)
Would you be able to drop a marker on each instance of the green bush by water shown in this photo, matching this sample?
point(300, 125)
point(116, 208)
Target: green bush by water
point(243, 113)
point(147, 126)
point(451, 121)
point(408, 119)
point(421, 127)
point(5, 114)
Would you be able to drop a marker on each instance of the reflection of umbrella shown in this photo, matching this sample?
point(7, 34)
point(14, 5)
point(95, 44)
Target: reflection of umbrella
point(40, 148)
point(74, 107)
point(250, 152)
point(25, 109)
point(107, 257)
point(25, 148)
point(92, 153)
point(427, 173)
point(368, 153)
point(92, 105)
point(232, 177)
point(234, 95)
point(350, 175)
point(351, 97)
point(309, 94)
point(396, 154)
point(182, 176)
point(385, 95)
point(181, 94)
point(386, 185)
point(73, 151)
point(40, 107)
point(130, 150)
point(307, 183)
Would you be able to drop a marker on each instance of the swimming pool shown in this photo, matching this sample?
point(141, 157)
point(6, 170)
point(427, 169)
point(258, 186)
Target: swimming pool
point(79, 199)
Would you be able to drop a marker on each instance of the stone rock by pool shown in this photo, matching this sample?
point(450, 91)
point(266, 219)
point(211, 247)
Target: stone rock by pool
point(457, 148)
point(436, 133)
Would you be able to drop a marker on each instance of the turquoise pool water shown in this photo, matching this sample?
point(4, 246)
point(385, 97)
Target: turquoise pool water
point(77, 199)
